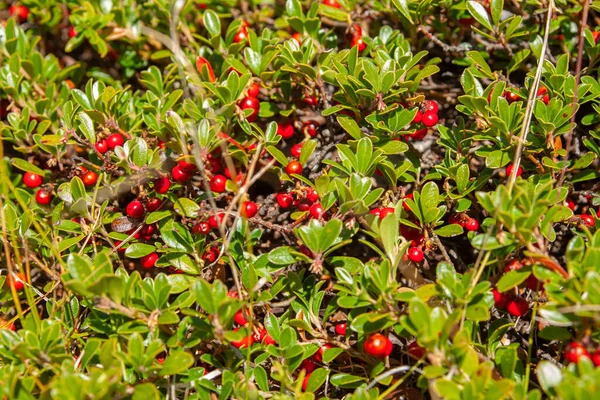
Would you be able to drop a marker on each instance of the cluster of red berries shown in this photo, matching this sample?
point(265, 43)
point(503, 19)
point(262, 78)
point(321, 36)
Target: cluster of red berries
point(304, 199)
point(574, 352)
point(511, 96)
point(251, 102)
point(110, 143)
point(515, 305)
point(259, 334)
point(19, 12)
point(426, 117)
point(462, 219)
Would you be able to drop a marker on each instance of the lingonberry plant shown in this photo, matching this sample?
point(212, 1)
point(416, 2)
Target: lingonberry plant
point(300, 199)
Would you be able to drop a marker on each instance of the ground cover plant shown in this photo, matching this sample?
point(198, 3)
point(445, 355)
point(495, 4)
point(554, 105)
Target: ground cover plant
point(213, 199)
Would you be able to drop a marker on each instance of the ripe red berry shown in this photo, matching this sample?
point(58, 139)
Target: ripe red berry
point(500, 299)
point(415, 351)
point(312, 195)
point(249, 209)
point(202, 228)
point(378, 345)
point(303, 205)
point(210, 255)
point(305, 382)
point(239, 318)
point(509, 170)
point(217, 183)
point(341, 328)
point(294, 167)
point(471, 225)
point(318, 356)
point(404, 204)
point(375, 211)
point(574, 351)
point(310, 100)
point(187, 167)
point(17, 281)
point(268, 339)
point(533, 283)
point(241, 35)
point(90, 178)
point(297, 37)
point(135, 209)
point(43, 197)
point(310, 128)
point(148, 230)
point(358, 41)
point(418, 117)
point(72, 32)
point(511, 96)
point(332, 3)
point(114, 140)
point(429, 119)
point(19, 12)
point(596, 36)
point(316, 211)
point(284, 200)
point(254, 90)
point(543, 92)
point(517, 307)
point(595, 357)
point(296, 150)
point(179, 175)
point(415, 254)
point(162, 185)
point(308, 365)
point(285, 129)
point(430, 106)
point(101, 146)
point(570, 203)
point(244, 342)
point(153, 204)
point(384, 212)
point(213, 222)
point(32, 180)
point(250, 103)
point(587, 219)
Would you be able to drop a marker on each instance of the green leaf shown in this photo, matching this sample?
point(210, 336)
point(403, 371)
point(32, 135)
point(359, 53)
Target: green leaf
point(212, 23)
point(449, 230)
point(87, 127)
point(479, 13)
point(512, 279)
point(281, 256)
point(346, 381)
point(496, 7)
point(186, 207)
point(176, 362)
point(402, 6)
point(139, 250)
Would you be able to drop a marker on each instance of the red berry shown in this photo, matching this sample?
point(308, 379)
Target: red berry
point(418, 117)
point(135, 209)
point(297, 37)
point(243, 342)
point(404, 204)
point(294, 167)
point(318, 356)
point(415, 351)
point(210, 255)
point(241, 36)
point(72, 32)
point(305, 382)
point(20, 12)
point(517, 307)
point(595, 356)
point(429, 119)
point(217, 183)
point(378, 345)
point(587, 219)
point(375, 211)
point(472, 225)
point(308, 365)
point(430, 106)
point(17, 281)
point(114, 140)
point(43, 197)
point(358, 41)
point(533, 283)
point(296, 150)
point(596, 36)
point(574, 351)
point(415, 254)
point(90, 178)
point(162, 185)
point(284, 200)
point(187, 167)
point(310, 128)
point(212, 220)
point(303, 205)
point(285, 129)
point(249, 209)
point(316, 211)
point(542, 91)
point(32, 180)
point(250, 103)
point(202, 228)
point(570, 203)
point(384, 212)
point(509, 170)
point(456, 219)
point(312, 195)
point(511, 96)
point(500, 299)
point(153, 204)
point(254, 90)
point(179, 175)
point(148, 230)
point(340, 329)
point(310, 100)
point(332, 3)
point(203, 64)
point(101, 146)
point(306, 251)
point(239, 318)
point(418, 134)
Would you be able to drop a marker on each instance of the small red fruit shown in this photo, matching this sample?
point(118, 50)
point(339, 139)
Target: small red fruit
point(596, 36)
point(570, 203)
point(284, 200)
point(574, 351)
point(297, 37)
point(378, 345)
point(217, 183)
point(472, 225)
point(243, 342)
point(517, 307)
point(500, 299)
point(509, 170)
point(149, 261)
point(210, 255)
point(418, 117)
point(212, 220)
point(341, 328)
point(162, 185)
point(202, 64)
point(43, 197)
point(332, 3)
point(153, 204)
point(318, 356)
point(376, 211)
point(179, 175)
point(249, 209)
point(101, 146)
point(202, 228)
point(32, 180)
point(310, 128)
point(72, 32)
point(90, 178)
point(310, 100)
point(17, 281)
point(384, 212)
point(254, 90)
point(543, 92)
point(285, 129)
point(415, 254)
point(250, 103)
point(415, 351)
point(239, 318)
point(595, 356)
point(305, 382)
point(533, 283)
point(308, 365)
point(296, 150)
point(358, 41)
point(316, 211)
point(19, 12)
point(587, 219)
point(312, 195)
point(430, 106)
point(404, 204)
point(135, 209)
point(294, 167)
point(430, 119)
point(241, 36)
point(114, 140)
